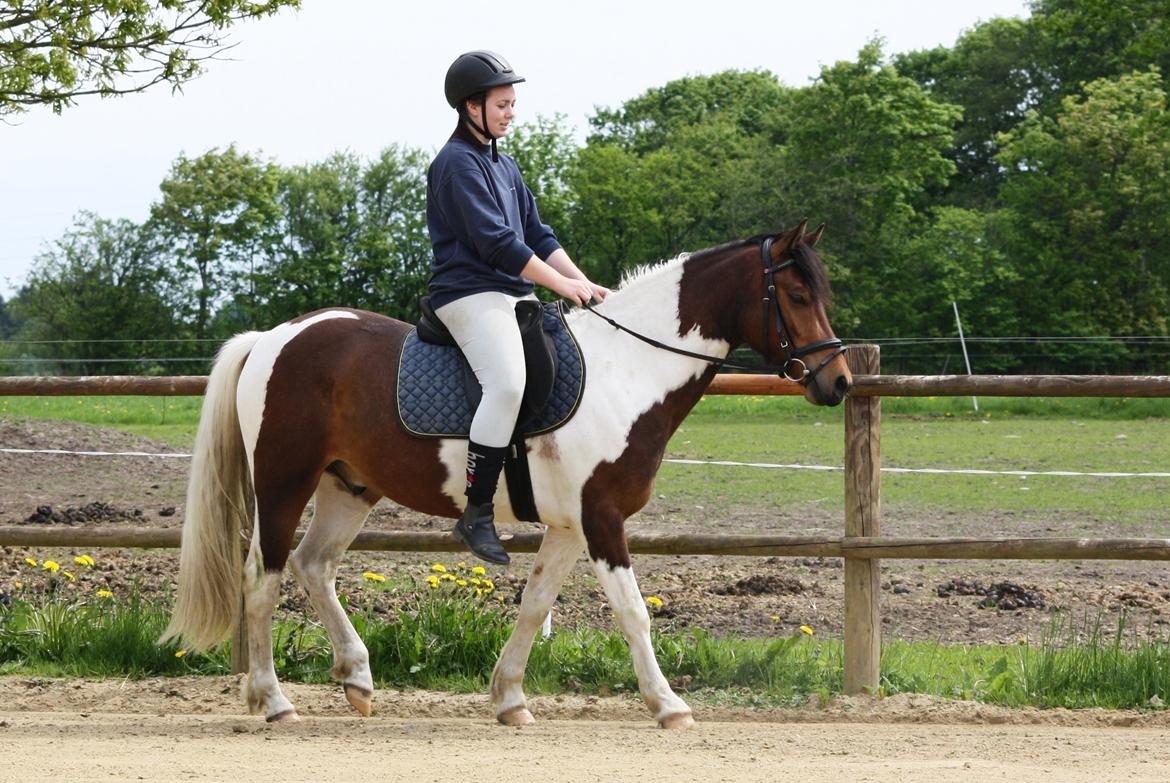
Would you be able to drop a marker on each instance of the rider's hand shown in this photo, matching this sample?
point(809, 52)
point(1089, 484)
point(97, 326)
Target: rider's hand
point(579, 292)
point(599, 291)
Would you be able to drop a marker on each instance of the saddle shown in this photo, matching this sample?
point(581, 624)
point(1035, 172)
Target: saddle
point(438, 392)
point(540, 356)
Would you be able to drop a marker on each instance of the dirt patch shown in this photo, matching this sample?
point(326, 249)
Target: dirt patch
point(763, 584)
point(997, 595)
point(725, 595)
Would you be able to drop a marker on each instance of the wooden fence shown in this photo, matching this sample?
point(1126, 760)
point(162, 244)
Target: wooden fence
point(862, 546)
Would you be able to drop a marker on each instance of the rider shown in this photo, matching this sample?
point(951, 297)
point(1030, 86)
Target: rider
point(489, 248)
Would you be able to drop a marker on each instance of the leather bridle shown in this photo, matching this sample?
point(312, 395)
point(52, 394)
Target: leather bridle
point(794, 367)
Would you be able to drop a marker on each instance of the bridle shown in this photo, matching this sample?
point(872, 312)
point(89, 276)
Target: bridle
point(794, 367)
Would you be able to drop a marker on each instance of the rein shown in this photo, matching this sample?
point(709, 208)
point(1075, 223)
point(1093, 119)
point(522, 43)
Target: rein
point(794, 368)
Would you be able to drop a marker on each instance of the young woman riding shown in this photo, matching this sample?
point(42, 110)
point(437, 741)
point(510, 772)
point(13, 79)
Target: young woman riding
point(489, 248)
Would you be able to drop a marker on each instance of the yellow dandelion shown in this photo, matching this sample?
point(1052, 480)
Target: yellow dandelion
point(461, 565)
point(31, 562)
point(479, 591)
point(489, 585)
point(442, 569)
point(461, 582)
point(499, 598)
point(69, 575)
point(433, 580)
point(104, 594)
point(448, 578)
point(52, 566)
point(654, 601)
point(180, 653)
point(775, 618)
point(18, 585)
point(84, 560)
point(479, 570)
point(476, 581)
point(372, 577)
point(807, 630)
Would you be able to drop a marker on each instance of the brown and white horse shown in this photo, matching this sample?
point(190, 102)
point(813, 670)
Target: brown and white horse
point(309, 408)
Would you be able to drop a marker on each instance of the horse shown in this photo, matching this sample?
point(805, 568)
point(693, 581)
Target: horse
point(308, 409)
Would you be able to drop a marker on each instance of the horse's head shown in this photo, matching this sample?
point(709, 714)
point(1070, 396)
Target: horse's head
point(791, 329)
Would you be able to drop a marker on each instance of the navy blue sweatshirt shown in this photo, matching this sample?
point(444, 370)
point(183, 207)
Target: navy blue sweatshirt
point(483, 224)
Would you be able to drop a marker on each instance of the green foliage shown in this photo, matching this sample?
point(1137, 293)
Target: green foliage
point(1088, 200)
point(103, 280)
point(450, 640)
point(1029, 158)
point(545, 153)
point(217, 214)
point(54, 51)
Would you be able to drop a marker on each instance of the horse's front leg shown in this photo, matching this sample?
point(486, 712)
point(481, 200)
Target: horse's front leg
point(558, 552)
point(611, 564)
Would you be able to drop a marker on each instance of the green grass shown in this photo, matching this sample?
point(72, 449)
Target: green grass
point(1069, 434)
point(172, 420)
point(1013, 433)
point(448, 640)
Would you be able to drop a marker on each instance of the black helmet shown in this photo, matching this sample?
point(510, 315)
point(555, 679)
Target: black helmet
point(474, 72)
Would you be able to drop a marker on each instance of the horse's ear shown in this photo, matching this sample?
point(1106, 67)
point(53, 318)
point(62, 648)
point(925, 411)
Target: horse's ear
point(812, 239)
point(795, 235)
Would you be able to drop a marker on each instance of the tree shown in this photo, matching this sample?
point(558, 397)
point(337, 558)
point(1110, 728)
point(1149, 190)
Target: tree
point(218, 216)
point(1087, 208)
point(1083, 40)
point(863, 146)
point(545, 153)
point(55, 51)
point(992, 72)
point(353, 235)
point(650, 121)
point(97, 293)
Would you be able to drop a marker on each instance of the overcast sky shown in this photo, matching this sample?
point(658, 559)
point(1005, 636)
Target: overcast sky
point(363, 74)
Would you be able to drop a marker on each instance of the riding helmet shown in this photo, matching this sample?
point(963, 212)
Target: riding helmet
point(474, 72)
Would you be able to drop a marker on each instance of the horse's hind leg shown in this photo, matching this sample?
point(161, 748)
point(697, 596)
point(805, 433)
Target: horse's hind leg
point(338, 515)
point(277, 515)
point(611, 564)
point(558, 552)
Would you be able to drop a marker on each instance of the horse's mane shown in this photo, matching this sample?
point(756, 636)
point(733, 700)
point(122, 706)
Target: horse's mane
point(808, 263)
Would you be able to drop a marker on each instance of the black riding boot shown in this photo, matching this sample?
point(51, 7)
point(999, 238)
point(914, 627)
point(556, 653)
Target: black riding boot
point(477, 528)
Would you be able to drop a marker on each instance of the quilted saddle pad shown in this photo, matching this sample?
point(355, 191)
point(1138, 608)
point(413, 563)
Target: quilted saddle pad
point(431, 397)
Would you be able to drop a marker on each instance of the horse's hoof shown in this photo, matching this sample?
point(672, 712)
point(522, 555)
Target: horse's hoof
point(517, 716)
point(361, 699)
point(288, 716)
point(679, 720)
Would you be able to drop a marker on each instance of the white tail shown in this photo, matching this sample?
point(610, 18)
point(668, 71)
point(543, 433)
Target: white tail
point(219, 507)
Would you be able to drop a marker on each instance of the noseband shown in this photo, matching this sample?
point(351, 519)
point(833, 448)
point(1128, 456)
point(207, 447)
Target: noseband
point(794, 368)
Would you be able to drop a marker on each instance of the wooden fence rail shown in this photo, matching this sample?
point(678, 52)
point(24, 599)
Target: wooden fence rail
point(862, 546)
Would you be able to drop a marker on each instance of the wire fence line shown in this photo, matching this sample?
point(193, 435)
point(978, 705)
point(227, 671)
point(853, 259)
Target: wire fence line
point(711, 462)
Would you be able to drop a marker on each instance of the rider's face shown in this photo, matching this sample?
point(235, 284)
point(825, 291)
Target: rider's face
point(501, 108)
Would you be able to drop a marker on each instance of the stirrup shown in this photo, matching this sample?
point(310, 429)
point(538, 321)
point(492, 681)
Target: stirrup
point(476, 530)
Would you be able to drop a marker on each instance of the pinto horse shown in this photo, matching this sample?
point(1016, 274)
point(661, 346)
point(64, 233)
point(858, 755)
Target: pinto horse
point(309, 409)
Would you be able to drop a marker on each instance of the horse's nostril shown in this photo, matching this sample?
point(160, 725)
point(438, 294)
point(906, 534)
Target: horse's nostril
point(843, 385)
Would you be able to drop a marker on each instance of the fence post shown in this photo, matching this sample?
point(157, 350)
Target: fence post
point(863, 630)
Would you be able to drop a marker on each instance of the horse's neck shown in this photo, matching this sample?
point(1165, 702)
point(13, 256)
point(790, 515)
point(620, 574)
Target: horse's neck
point(646, 390)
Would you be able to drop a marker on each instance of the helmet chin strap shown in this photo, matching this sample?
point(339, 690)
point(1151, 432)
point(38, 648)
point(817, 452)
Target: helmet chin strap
point(483, 131)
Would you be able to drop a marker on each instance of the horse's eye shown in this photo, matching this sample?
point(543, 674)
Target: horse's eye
point(797, 299)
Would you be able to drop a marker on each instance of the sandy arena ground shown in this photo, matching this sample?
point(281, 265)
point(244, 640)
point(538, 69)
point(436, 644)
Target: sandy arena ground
point(193, 729)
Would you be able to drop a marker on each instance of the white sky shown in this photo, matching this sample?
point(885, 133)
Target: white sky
point(363, 74)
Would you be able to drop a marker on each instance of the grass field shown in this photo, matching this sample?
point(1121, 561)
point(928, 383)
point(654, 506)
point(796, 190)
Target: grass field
point(448, 639)
point(1094, 435)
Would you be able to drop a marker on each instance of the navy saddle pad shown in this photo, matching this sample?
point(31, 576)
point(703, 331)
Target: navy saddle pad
point(431, 397)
